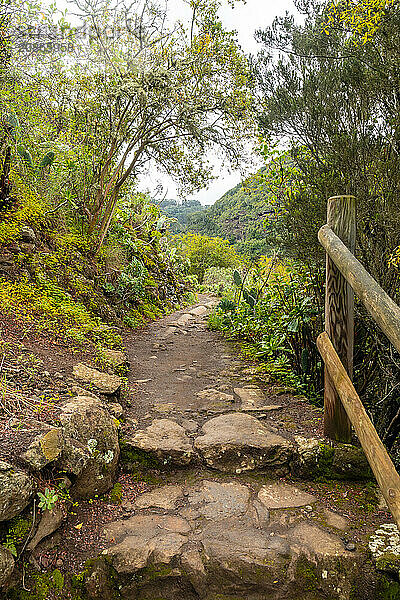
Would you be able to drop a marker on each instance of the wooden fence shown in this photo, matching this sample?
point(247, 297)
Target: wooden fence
point(342, 405)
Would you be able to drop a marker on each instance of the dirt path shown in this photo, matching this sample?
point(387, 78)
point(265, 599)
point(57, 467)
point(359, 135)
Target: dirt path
point(226, 488)
point(175, 359)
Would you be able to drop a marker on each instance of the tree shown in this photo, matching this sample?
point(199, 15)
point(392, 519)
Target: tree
point(362, 18)
point(204, 252)
point(147, 93)
point(337, 106)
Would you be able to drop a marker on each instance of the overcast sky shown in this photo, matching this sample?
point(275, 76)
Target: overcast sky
point(245, 19)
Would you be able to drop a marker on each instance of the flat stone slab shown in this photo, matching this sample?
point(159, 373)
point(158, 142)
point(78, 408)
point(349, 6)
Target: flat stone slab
point(280, 495)
point(164, 439)
point(238, 442)
point(211, 544)
point(145, 538)
point(213, 399)
point(199, 311)
point(219, 500)
point(103, 382)
point(184, 319)
point(164, 498)
point(250, 396)
point(335, 520)
point(168, 332)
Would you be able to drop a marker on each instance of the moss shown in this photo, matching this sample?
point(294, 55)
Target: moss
point(116, 494)
point(389, 563)
point(388, 589)
point(41, 586)
point(306, 575)
point(151, 573)
point(326, 455)
point(138, 458)
point(57, 579)
point(18, 529)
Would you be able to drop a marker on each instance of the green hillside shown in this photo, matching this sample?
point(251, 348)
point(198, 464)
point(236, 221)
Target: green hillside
point(180, 213)
point(245, 215)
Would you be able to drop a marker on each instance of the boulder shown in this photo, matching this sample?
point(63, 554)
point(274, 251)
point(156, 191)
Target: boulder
point(50, 521)
point(238, 442)
point(100, 580)
point(115, 358)
point(16, 489)
point(44, 449)
point(199, 311)
point(6, 565)
point(86, 422)
point(316, 458)
point(75, 456)
point(165, 440)
point(27, 235)
point(104, 383)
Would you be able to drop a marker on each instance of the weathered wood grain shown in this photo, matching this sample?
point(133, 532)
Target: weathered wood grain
point(377, 456)
point(381, 307)
point(339, 315)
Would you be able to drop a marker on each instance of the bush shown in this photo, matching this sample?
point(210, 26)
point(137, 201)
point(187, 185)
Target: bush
point(276, 317)
point(204, 252)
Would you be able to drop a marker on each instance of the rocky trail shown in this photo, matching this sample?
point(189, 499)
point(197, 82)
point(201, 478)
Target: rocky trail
point(226, 488)
point(239, 515)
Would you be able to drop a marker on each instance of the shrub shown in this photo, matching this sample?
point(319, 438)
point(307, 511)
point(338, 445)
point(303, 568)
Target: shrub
point(204, 252)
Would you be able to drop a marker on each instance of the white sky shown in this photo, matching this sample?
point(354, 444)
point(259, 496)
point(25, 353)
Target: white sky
point(245, 19)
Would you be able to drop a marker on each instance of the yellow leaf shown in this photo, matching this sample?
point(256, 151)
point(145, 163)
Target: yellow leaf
point(79, 526)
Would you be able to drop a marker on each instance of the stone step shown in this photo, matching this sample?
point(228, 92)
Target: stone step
point(238, 442)
point(226, 540)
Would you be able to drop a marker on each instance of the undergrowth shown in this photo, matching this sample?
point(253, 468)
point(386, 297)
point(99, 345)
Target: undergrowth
point(272, 311)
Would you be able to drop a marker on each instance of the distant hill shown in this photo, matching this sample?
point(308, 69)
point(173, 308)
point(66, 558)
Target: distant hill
point(244, 215)
point(181, 212)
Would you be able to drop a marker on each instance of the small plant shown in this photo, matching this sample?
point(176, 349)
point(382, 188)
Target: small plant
point(48, 500)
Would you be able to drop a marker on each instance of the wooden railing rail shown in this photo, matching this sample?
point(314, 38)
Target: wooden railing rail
point(342, 405)
point(380, 306)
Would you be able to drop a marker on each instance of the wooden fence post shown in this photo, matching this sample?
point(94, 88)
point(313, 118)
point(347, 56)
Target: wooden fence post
point(339, 315)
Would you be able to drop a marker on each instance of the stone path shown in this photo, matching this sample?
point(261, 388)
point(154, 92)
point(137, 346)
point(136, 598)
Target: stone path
point(234, 520)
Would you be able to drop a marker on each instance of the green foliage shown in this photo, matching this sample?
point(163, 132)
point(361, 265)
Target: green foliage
point(48, 500)
point(47, 160)
point(18, 529)
point(204, 252)
point(237, 278)
point(277, 322)
point(180, 213)
point(342, 127)
point(218, 280)
point(116, 494)
point(246, 215)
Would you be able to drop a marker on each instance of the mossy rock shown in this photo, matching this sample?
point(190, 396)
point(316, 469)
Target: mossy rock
point(317, 459)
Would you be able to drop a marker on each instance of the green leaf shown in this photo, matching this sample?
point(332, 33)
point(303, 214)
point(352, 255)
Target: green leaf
point(26, 155)
point(11, 124)
point(293, 326)
point(47, 160)
point(237, 278)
